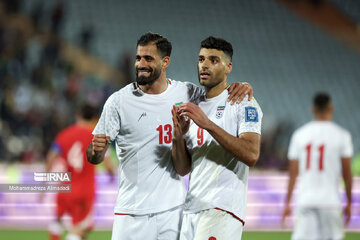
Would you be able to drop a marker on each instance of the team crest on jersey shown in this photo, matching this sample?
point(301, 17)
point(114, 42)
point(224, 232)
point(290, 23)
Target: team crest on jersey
point(251, 114)
point(220, 111)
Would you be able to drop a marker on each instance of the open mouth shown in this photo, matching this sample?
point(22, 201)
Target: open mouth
point(204, 75)
point(144, 72)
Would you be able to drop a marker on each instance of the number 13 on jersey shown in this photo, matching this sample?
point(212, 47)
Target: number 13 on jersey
point(165, 133)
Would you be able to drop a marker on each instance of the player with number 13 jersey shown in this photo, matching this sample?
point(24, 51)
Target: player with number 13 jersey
point(142, 131)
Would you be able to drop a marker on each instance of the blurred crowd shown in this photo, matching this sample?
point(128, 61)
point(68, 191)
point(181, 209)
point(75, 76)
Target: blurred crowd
point(39, 89)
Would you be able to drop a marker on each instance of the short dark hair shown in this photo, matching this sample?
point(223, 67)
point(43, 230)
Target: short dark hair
point(321, 101)
point(163, 45)
point(88, 111)
point(219, 44)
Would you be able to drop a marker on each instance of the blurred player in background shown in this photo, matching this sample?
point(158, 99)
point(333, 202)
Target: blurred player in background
point(320, 152)
point(70, 145)
point(222, 142)
point(137, 117)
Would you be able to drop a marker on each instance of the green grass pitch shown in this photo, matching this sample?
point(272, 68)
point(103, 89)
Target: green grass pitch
point(102, 235)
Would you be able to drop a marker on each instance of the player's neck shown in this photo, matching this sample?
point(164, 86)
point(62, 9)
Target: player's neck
point(216, 90)
point(157, 87)
point(323, 117)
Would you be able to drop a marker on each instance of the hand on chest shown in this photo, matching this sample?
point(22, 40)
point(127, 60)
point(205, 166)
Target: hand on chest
point(222, 116)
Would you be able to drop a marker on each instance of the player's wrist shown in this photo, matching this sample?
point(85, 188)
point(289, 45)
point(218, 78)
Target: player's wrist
point(209, 126)
point(178, 138)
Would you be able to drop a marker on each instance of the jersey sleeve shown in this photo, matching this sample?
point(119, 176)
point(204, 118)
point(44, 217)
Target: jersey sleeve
point(109, 122)
point(249, 116)
point(56, 147)
point(194, 92)
point(58, 144)
point(293, 152)
point(347, 149)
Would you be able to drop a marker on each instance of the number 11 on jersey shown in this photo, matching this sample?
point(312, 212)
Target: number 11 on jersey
point(321, 149)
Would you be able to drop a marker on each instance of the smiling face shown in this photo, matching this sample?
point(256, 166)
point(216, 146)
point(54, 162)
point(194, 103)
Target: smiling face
point(213, 67)
point(148, 64)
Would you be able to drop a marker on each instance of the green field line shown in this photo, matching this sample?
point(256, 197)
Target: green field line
point(103, 235)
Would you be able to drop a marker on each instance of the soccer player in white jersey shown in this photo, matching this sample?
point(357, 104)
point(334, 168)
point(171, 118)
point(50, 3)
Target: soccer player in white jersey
point(319, 152)
point(219, 146)
point(137, 117)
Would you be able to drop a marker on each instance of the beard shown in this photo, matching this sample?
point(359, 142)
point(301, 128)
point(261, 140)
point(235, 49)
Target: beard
point(205, 82)
point(213, 79)
point(154, 75)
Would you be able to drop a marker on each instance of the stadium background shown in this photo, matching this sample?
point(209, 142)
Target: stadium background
point(55, 54)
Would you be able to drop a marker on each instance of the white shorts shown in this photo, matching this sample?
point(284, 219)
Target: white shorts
point(212, 224)
point(156, 226)
point(318, 223)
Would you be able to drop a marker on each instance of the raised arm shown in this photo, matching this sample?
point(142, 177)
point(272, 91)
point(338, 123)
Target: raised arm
point(179, 153)
point(246, 147)
point(96, 150)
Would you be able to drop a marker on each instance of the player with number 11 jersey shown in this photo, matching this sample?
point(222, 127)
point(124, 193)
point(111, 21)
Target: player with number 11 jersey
point(318, 146)
point(320, 153)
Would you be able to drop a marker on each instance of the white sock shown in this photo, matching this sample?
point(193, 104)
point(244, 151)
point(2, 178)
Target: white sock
point(56, 228)
point(72, 236)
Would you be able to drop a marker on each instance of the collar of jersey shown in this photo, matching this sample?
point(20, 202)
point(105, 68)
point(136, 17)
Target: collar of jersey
point(137, 88)
point(220, 96)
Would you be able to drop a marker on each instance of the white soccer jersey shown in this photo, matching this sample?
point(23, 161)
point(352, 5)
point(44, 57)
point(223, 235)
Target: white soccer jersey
point(319, 147)
point(141, 126)
point(218, 179)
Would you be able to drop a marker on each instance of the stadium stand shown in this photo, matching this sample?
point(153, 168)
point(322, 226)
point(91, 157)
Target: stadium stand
point(350, 7)
point(275, 50)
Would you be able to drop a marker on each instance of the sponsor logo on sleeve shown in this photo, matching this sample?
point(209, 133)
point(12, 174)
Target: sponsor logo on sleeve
point(251, 114)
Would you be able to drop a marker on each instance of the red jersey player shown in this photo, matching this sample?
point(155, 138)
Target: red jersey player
point(70, 144)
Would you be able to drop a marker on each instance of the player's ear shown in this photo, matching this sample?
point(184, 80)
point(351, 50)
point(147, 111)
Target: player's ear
point(165, 62)
point(228, 67)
